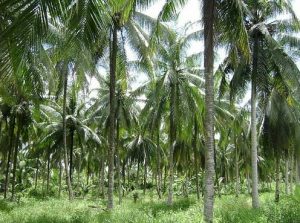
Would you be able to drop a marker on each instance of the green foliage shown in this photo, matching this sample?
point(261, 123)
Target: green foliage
point(286, 211)
point(147, 210)
point(5, 206)
point(239, 210)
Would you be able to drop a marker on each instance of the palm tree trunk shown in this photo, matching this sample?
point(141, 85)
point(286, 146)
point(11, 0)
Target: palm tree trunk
point(172, 139)
point(68, 179)
point(71, 154)
point(48, 170)
point(158, 165)
point(286, 178)
point(112, 99)
point(277, 181)
point(36, 173)
point(291, 173)
point(10, 151)
point(208, 18)
point(60, 177)
point(248, 183)
point(297, 170)
point(145, 173)
point(196, 157)
point(15, 162)
point(138, 174)
point(255, 198)
point(124, 176)
point(237, 174)
point(102, 175)
point(118, 166)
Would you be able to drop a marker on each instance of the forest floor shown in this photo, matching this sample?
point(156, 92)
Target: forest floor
point(148, 209)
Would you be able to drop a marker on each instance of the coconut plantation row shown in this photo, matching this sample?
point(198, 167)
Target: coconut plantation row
point(118, 111)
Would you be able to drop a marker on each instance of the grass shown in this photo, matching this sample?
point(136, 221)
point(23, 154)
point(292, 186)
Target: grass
point(148, 210)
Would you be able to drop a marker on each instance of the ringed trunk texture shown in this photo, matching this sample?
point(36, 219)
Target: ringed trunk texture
point(112, 118)
point(208, 18)
point(255, 198)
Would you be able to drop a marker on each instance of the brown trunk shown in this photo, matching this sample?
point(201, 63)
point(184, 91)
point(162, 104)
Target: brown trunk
point(112, 116)
point(208, 18)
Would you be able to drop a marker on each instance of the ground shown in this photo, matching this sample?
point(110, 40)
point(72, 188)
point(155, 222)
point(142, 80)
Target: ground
point(148, 209)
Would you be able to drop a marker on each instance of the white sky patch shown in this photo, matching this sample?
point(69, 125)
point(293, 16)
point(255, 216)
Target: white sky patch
point(188, 14)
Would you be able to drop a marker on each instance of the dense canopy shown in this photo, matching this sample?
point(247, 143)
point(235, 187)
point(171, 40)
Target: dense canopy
point(102, 100)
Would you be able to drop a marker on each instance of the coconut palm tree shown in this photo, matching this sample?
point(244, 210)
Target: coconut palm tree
point(174, 89)
point(267, 56)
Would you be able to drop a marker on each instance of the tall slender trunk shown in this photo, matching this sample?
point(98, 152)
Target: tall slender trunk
point(196, 155)
point(124, 176)
point(286, 176)
point(71, 154)
point(15, 162)
point(66, 163)
point(165, 179)
point(248, 183)
point(138, 173)
point(79, 165)
point(297, 170)
point(237, 174)
point(59, 178)
point(277, 180)
point(172, 135)
point(208, 18)
point(291, 173)
point(118, 166)
point(158, 165)
point(112, 118)
point(255, 197)
point(36, 173)
point(10, 151)
point(145, 172)
point(48, 170)
point(102, 175)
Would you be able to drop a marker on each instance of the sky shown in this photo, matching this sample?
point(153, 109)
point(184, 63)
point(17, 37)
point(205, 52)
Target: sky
point(191, 13)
